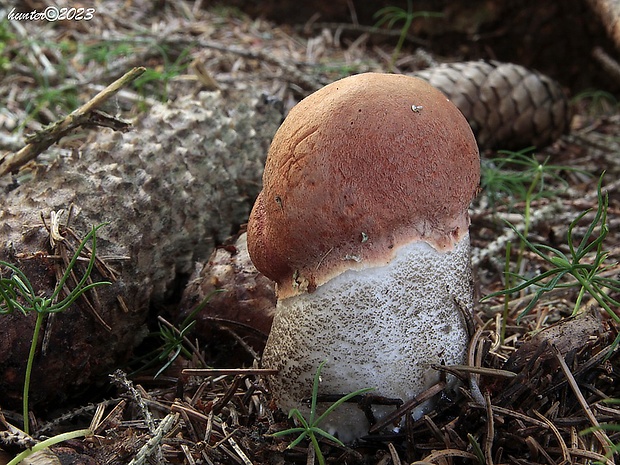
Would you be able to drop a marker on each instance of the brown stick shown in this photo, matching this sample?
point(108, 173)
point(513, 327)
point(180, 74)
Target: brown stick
point(598, 433)
point(227, 371)
point(610, 65)
point(86, 115)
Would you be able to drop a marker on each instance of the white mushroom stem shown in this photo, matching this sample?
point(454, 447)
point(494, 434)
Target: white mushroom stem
point(414, 306)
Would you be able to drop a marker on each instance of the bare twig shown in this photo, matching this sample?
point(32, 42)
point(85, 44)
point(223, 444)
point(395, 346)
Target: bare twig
point(514, 414)
point(86, 115)
point(228, 371)
point(235, 446)
point(610, 65)
point(153, 444)
point(488, 440)
point(476, 369)
point(599, 433)
point(440, 455)
point(558, 436)
point(407, 406)
point(120, 379)
point(394, 454)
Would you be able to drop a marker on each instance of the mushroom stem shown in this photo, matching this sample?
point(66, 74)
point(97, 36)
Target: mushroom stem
point(362, 223)
point(411, 304)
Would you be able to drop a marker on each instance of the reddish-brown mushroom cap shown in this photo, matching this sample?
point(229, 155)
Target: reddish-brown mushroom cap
point(359, 168)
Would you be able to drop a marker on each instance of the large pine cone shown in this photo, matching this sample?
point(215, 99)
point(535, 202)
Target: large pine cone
point(508, 106)
point(183, 180)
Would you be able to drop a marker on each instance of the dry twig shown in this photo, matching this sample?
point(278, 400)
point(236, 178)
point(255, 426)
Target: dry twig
point(86, 115)
point(599, 433)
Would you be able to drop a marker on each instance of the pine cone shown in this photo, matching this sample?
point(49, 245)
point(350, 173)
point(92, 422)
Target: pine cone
point(508, 106)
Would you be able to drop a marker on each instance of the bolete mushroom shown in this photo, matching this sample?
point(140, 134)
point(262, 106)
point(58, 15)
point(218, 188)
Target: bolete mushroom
point(362, 222)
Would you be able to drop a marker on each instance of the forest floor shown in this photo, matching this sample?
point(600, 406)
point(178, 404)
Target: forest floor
point(543, 377)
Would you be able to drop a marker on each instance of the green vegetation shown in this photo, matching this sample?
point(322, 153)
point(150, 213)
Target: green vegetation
point(476, 449)
point(17, 293)
point(48, 443)
point(584, 263)
point(173, 341)
point(5, 37)
point(164, 64)
point(156, 80)
point(62, 99)
point(515, 177)
point(579, 264)
point(104, 52)
point(518, 177)
point(393, 14)
point(599, 102)
point(310, 428)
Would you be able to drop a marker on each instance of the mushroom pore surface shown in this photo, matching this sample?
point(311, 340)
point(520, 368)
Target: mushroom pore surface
point(358, 169)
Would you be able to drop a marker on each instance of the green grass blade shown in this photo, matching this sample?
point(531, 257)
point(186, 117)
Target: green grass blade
point(341, 401)
point(317, 449)
point(8, 297)
point(315, 391)
point(79, 288)
point(610, 283)
point(476, 448)
point(300, 438)
point(328, 436)
point(389, 11)
point(92, 235)
point(600, 217)
point(20, 281)
point(543, 289)
point(73, 296)
point(527, 283)
point(299, 417)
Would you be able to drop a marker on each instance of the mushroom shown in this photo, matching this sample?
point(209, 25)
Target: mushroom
point(362, 222)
